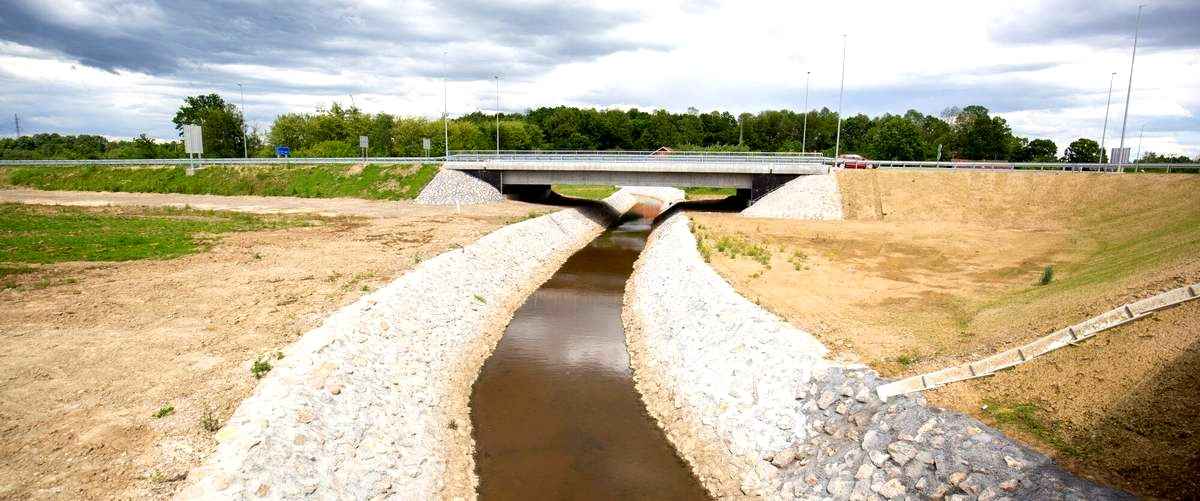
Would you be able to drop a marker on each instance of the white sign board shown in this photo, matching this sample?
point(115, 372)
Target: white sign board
point(1119, 156)
point(362, 141)
point(193, 140)
point(426, 144)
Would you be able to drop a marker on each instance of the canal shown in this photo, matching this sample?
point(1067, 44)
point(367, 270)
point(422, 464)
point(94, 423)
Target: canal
point(555, 411)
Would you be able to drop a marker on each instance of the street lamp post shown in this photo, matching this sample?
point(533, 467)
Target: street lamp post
point(245, 150)
point(497, 115)
point(445, 108)
point(837, 145)
point(1104, 133)
point(804, 135)
point(1129, 90)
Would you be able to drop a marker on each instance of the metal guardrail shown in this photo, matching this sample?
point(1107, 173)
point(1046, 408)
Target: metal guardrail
point(700, 157)
point(222, 161)
point(1051, 166)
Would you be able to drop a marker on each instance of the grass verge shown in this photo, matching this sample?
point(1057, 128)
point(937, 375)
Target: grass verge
point(702, 193)
point(384, 182)
point(588, 191)
point(42, 235)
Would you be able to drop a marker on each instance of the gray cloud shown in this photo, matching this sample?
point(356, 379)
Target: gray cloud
point(327, 35)
point(1165, 24)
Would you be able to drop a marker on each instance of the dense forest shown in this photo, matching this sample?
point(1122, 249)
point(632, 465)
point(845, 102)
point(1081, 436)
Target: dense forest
point(967, 133)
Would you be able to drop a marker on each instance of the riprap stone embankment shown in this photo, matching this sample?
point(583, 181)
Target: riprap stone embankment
point(374, 402)
point(755, 408)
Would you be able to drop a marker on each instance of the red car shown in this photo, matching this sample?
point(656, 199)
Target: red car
point(854, 162)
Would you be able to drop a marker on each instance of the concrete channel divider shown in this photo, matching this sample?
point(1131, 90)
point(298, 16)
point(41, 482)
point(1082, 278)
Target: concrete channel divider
point(1066, 337)
point(373, 403)
point(757, 411)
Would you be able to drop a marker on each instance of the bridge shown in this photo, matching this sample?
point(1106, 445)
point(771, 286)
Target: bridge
point(752, 174)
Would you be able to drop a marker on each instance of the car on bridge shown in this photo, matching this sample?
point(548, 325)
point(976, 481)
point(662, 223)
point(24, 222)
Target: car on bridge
point(854, 162)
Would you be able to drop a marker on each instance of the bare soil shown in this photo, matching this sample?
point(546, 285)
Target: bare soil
point(937, 268)
point(93, 350)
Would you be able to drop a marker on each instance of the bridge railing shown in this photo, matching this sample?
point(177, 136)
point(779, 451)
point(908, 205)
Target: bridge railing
point(637, 157)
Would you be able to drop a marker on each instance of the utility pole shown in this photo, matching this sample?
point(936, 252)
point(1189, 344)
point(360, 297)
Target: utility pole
point(837, 145)
point(17, 124)
point(1129, 90)
point(1104, 133)
point(804, 136)
point(497, 115)
point(245, 150)
point(445, 107)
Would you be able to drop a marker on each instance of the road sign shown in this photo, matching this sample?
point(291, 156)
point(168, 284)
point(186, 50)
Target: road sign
point(426, 143)
point(362, 141)
point(283, 151)
point(193, 139)
point(1119, 156)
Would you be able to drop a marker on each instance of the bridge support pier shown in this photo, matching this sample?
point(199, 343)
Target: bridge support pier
point(492, 177)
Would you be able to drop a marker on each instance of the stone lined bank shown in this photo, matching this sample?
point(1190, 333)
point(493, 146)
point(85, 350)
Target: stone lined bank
point(755, 408)
point(813, 197)
point(374, 402)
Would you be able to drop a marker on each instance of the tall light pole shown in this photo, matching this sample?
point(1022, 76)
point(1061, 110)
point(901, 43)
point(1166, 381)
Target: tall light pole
point(445, 108)
point(1141, 131)
point(497, 77)
point(1104, 133)
point(837, 145)
point(739, 119)
point(245, 151)
point(804, 135)
point(1129, 90)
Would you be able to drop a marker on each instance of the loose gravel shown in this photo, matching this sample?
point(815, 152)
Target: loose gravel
point(814, 197)
point(374, 403)
point(450, 187)
point(755, 408)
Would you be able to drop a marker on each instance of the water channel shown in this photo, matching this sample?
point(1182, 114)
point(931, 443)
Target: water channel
point(555, 411)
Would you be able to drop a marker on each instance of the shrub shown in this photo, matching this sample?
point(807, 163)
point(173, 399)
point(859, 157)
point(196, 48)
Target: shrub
point(1047, 275)
point(260, 368)
point(164, 411)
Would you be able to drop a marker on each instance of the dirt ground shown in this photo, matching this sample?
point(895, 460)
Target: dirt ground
point(934, 269)
point(88, 360)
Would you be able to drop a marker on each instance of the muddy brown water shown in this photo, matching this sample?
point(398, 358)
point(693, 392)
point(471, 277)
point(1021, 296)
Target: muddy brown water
point(555, 411)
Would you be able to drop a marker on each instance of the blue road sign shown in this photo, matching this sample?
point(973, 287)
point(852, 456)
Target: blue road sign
point(283, 151)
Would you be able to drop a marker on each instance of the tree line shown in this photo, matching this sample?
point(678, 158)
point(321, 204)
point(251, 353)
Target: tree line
point(970, 133)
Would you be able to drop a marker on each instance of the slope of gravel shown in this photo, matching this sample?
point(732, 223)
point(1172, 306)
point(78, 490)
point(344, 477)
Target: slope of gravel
point(755, 408)
point(451, 187)
point(814, 197)
point(374, 402)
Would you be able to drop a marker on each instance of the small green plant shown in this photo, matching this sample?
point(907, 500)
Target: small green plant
point(164, 411)
point(1047, 275)
point(907, 359)
point(257, 256)
point(260, 367)
point(480, 299)
point(279, 355)
point(799, 260)
point(208, 420)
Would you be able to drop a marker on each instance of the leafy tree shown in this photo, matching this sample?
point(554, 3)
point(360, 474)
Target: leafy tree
point(896, 138)
point(1041, 150)
point(1083, 151)
point(979, 136)
point(223, 126)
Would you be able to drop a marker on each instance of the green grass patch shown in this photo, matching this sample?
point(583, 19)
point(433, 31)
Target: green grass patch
point(384, 182)
point(1029, 418)
point(164, 411)
point(735, 246)
point(260, 367)
point(33, 234)
point(701, 192)
point(588, 191)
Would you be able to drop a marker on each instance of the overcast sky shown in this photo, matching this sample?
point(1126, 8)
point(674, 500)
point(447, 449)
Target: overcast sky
point(120, 68)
